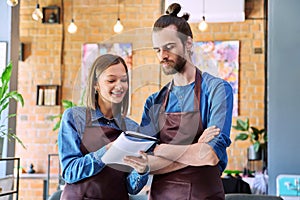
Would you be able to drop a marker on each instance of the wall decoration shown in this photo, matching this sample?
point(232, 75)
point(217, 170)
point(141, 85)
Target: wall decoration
point(91, 51)
point(51, 15)
point(221, 59)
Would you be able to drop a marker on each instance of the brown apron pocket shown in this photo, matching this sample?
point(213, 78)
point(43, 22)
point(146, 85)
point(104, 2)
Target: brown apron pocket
point(172, 190)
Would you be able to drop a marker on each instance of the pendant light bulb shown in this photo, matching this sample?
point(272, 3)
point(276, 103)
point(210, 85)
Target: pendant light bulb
point(118, 27)
point(12, 3)
point(203, 25)
point(72, 28)
point(37, 13)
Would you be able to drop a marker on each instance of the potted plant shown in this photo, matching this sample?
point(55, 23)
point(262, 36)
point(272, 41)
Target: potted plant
point(66, 104)
point(5, 96)
point(257, 137)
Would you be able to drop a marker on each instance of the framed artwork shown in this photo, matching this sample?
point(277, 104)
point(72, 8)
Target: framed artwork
point(221, 59)
point(91, 51)
point(51, 15)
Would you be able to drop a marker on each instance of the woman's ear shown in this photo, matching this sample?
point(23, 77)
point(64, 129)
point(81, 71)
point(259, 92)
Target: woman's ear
point(96, 87)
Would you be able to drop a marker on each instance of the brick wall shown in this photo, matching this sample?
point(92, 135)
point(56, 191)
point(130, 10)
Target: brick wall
point(55, 57)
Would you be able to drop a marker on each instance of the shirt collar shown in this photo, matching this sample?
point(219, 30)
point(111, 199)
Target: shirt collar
point(97, 114)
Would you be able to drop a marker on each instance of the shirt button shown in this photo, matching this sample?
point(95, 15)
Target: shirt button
point(107, 122)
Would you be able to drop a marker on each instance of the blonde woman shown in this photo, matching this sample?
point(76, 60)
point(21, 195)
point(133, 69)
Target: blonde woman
point(86, 133)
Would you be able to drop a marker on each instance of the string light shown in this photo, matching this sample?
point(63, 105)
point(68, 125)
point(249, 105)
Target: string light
point(37, 13)
point(12, 3)
point(118, 27)
point(72, 28)
point(203, 25)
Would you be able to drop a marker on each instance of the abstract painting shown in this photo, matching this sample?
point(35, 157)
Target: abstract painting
point(221, 59)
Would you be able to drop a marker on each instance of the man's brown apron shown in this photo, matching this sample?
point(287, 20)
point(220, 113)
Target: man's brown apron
point(109, 184)
point(189, 183)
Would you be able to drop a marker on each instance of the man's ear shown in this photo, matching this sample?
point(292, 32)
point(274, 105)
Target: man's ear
point(189, 44)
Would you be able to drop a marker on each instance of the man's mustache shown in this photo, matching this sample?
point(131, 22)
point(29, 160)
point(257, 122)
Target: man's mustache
point(166, 61)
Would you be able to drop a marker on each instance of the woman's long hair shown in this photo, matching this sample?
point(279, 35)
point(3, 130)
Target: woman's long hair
point(100, 64)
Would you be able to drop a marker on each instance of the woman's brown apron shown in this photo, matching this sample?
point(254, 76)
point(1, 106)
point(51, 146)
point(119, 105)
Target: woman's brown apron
point(109, 184)
point(189, 183)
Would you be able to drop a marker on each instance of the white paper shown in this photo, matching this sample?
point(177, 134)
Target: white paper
point(126, 146)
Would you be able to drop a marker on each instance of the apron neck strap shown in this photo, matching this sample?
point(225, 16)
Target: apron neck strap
point(197, 90)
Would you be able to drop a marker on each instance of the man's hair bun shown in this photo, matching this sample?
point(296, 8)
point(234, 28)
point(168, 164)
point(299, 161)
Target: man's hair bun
point(174, 9)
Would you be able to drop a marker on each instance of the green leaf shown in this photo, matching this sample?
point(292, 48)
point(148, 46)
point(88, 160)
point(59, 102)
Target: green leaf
point(18, 97)
point(265, 137)
point(241, 136)
point(56, 126)
point(15, 137)
point(3, 107)
point(256, 146)
point(5, 77)
point(241, 125)
point(255, 130)
point(3, 92)
point(228, 171)
point(5, 96)
point(11, 115)
point(262, 131)
point(68, 104)
point(55, 117)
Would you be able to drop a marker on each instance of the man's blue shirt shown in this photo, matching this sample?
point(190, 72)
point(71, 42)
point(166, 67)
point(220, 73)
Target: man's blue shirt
point(216, 109)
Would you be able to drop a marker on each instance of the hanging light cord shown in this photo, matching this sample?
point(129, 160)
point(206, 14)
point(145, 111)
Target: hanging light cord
point(72, 10)
point(118, 9)
point(203, 11)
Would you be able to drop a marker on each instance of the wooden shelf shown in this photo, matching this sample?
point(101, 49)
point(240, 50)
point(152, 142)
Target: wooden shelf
point(51, 15)
point(48, 95)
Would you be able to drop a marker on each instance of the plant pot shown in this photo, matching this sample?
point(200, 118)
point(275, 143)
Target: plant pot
point(264, 153)
point(254, 155)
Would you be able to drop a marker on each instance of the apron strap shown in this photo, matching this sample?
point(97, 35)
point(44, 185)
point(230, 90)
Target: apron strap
point(88, 119)
point(197, 91)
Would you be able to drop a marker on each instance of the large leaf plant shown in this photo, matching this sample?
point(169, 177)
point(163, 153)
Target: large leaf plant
point(5, 96)
point(66, 104)
point(255, 135)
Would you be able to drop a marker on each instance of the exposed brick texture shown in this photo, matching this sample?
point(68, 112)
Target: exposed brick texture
point(55, 58)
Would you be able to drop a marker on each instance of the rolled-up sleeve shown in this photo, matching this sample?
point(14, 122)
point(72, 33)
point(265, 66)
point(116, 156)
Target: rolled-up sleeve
point(220, 114)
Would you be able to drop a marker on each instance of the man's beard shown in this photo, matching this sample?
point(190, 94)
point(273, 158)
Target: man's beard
point(173, 67)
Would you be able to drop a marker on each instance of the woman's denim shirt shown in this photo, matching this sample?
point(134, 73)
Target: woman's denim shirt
point(75, 165)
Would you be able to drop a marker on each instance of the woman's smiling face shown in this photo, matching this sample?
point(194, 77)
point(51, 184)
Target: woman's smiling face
point(112, 84)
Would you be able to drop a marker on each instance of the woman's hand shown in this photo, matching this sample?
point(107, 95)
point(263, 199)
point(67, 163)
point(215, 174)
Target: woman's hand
point(108, 145)
point(140, 164)
point(209, 134)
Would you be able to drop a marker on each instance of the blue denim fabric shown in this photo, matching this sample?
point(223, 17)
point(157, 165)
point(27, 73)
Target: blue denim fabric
point(216, 109)
point(75, 165)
